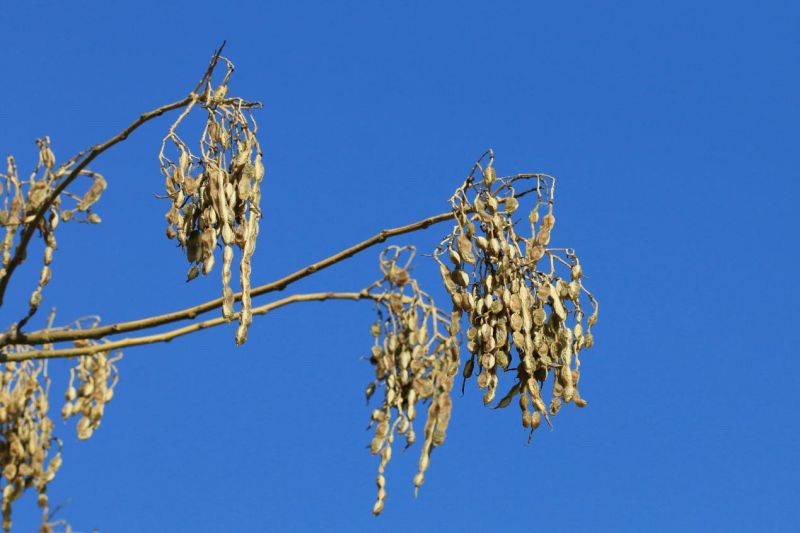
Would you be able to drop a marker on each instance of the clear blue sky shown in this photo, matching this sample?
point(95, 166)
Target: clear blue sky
point(673, 130)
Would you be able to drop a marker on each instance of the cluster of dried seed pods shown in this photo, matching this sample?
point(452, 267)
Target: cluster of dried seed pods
point(21, 201)
point(91, 387)
point(26, 435)
point(415, 355)
point(523, 319)
point(215, 194)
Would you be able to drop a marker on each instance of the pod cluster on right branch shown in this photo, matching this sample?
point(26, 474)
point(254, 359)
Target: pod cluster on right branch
point(524, 300)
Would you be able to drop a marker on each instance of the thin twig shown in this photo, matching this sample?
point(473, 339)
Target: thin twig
point(41, 337)
point(179, 332)
point(190, 313)
point(21, 249)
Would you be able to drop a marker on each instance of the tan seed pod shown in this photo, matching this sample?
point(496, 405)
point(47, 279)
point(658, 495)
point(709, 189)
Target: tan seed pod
point(588, 340)
point(486, 332)
point(377, 508)
point(500, 335)
point(497, 306)
point(467, 301)
point(489, 175)
point(511, 205)
point(523, 399)
point(519, 340)
point(580, 402)
point(558, 308)
point(438, 437)
point(539, 316)
point(574, 290)
point(419, 479)
point(489, 395)
point(10, 471)
point(502, 360)
point(535, 252)
point(457, 298)
point(526, 419)
point(465, 249)
point(71, 394)
point(543, 237)
point(555, 406)
point(447, 277)
point(85, 429)
point(494, 246)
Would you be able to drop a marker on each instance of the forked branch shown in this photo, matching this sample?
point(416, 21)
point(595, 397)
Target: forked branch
point(51, 336)
point(179, 332)
point(82, 160)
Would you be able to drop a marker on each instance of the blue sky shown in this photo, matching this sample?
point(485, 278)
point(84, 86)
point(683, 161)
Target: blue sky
point(673, 130)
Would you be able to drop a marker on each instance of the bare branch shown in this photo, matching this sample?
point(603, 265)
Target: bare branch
point(49, 336)
point(179, 332)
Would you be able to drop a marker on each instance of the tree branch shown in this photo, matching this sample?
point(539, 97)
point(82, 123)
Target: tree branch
point(179, 332)
point(46, 337)
point(20, 251)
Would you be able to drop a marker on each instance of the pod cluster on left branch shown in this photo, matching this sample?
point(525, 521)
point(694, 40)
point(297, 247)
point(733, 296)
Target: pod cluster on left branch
point(22, 199)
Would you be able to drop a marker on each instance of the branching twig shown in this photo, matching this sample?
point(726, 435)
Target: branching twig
point(179, 332)
point(21, 248)
point(190, 313)
point(42, 337)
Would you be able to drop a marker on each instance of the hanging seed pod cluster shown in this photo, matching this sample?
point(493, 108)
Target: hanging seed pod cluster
point(415, 356)
point(91, 387)
point(524, 300)
point(215, 193)
point(26, 435)
point(22, 199)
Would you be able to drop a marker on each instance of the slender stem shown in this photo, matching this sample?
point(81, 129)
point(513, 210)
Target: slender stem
point(45, 336)
point(30, 227)
point(179, 332)
point(20, 251)
point(48, 336)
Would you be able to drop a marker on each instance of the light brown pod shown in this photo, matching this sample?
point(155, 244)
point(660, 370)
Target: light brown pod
point(489, 175)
